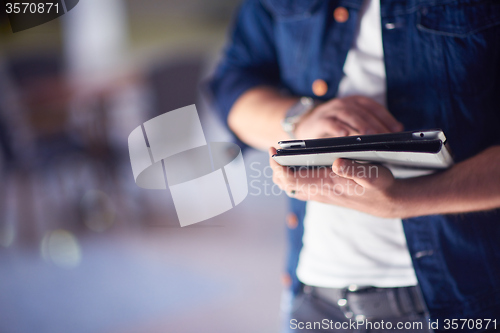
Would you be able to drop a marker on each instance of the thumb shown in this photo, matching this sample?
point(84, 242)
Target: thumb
point(367, 175)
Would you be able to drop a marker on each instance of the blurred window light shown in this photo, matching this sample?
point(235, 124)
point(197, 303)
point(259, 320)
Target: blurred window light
point(61, 248)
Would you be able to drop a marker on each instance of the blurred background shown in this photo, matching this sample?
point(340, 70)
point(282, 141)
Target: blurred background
point(82, 248)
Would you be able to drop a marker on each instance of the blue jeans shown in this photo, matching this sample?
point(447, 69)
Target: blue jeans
point(311, 314)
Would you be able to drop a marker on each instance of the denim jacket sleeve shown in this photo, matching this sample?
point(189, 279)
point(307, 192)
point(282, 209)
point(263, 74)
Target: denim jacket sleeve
point(249, 59)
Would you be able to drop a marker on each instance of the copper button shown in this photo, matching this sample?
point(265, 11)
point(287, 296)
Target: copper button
point(292, 221)
point(319, 87)
point(340, 14)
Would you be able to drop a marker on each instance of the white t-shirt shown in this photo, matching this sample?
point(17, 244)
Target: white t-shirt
point(344, 246)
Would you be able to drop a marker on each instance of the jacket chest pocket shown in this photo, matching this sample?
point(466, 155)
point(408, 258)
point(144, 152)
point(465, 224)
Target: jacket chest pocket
point(461, 39)
point(459, 18)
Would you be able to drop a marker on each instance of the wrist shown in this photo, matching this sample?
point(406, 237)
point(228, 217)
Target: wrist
point(302, 125)
point(397, 193)
point(295, 114)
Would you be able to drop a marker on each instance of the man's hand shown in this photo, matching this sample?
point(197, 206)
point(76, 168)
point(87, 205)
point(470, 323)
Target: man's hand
point(469, 186)
point(366, 187)
point(351, 115)
point(256, 118)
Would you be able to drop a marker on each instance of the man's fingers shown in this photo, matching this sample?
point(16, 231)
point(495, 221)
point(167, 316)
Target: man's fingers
point(375, 124)
point(334, 127)
point(381, 113)
point(296, 185)
point(271, 151)
point(365, 174)
point(282, 176)
point(274, 165)
point(362, 121)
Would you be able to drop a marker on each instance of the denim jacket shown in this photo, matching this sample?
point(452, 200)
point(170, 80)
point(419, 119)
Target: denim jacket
point(442, 60)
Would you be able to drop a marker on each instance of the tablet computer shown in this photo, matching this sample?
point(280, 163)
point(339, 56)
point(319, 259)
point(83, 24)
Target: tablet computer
point(426, 149)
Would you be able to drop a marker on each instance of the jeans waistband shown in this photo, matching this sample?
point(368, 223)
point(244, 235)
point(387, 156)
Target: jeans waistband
point(363, 303)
